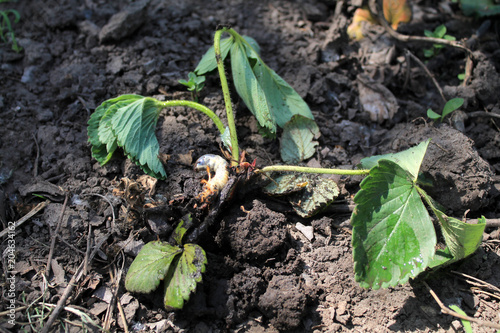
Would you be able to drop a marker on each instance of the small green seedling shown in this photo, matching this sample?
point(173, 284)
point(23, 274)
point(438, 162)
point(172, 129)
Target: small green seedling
point(439, 32)
point(195, 84)
point(6, 32)
point(449, 107)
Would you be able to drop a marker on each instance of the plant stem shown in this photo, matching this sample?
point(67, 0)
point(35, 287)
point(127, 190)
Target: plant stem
point(196, 106)
point(227, 97)
point(273, 168)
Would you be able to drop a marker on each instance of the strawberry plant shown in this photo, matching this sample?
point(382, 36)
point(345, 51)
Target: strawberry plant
point(393, 236)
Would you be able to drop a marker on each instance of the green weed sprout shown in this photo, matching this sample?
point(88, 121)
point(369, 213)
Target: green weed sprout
point(439, 32)
point(6, 32)
point(449, 107)
point(195, 84)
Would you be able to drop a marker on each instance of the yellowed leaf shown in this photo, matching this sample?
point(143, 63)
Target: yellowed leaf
point(355, 29)
point(397, 11)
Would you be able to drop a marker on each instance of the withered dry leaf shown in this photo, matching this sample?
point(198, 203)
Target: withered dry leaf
point(376, 99)
point(148, 183)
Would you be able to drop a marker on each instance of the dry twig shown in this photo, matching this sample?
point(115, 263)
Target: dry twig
point(69, 289)
point(26, 217)
point(405, 38)
point(54, 236)
point(450, 312)
point(426, 70)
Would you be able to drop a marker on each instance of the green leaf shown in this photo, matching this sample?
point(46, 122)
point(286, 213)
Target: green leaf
point(253, 43)
point(410, 159)
point(101, 138)
point(429, 33)
point(134, 126)
point(465, 323)
point(440, 31)
point(208, 62)
point(393, 236)
point(248, 87)
point(462, 239)
point(226, 138)
point(297, 140)
point(428, 53)
point(150, 266)
point(480, 7)
point(181, 228)
point(433, 115)
point(284, 102)
point(452, 105)
point(182, 280)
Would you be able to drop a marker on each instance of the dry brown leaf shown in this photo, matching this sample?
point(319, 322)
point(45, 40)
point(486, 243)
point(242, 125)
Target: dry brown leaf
point(376, 99)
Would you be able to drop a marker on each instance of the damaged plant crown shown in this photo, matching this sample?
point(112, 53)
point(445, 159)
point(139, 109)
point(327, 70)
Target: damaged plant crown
point(393, 236)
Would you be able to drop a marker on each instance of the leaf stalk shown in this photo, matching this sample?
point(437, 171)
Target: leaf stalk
point(294, 168)
point(227, 97)
point(197, 106)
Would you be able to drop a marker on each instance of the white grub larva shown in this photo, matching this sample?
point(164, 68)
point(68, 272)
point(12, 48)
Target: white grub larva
point(218, 165)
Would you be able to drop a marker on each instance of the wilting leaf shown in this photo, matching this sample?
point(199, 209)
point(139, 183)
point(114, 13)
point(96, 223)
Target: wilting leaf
point(134, 126)
point(150, 266)
point(248, 87)
point(208, 62)
point(101, 137)
point(318, 194)
point(286, 184)
point(297, 142)
point(181, 281)
point(283, 101)
point(462, 239)
point(308, 194)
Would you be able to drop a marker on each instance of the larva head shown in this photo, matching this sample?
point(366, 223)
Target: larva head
point(204, 161)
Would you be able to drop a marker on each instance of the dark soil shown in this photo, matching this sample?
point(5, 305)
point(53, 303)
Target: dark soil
point(263, 274)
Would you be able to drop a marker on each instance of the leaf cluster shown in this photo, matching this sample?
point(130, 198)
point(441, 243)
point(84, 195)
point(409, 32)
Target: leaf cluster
point(195, 84)
point(439, 32)
point(271, 99)
point(180, 267)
